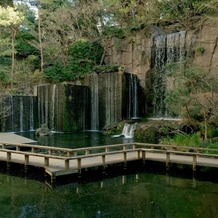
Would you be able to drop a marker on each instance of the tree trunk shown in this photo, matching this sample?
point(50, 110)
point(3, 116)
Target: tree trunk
point(40, 44)
point(14, 32)
point(205, 126)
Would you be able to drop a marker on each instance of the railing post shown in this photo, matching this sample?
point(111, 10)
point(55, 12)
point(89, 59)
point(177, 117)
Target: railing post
point(138, 154)
point(26, 161)
point(103, 161)
point(87, 152)
point(3, 146)
point(68, 153)
point(194, 164)
point(124, 147)
point(17, 148)
point(8, 156)
point(8, 160)
point(75, 153)
point(33, 150)
point(79, 165)
point(125, 158)
point(106, 150)
point(143, 156)
point(67, 164)
point(46, 161)
point(167, 160)
point(49, 151)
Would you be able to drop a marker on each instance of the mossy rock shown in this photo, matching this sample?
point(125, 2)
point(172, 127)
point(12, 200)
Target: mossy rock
point(43, 131)
point(147, 134)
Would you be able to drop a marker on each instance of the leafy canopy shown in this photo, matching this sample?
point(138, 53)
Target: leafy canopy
point(9, 16)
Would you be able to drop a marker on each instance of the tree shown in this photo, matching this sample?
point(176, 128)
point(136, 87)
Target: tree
point(187, 13)
point(193, 95)
point(10, 18)
point(5, 3)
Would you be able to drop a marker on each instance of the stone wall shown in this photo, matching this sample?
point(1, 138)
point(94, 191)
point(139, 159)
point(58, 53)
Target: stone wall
point(134, 53)
point(206, 40)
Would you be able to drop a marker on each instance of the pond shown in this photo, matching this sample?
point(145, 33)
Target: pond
point(134, 194)
point(77, 139)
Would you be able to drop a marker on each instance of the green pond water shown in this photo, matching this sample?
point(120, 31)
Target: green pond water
point(137, 194)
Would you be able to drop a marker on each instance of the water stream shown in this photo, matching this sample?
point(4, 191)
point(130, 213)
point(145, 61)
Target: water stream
point(128, 130)
point(94, 102)
point(167, 49)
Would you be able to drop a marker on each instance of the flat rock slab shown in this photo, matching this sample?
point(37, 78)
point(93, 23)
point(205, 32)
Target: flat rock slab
point(13, 138)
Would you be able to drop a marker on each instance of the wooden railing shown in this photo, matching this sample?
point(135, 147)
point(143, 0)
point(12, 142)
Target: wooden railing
point(67, 155)
point(60, 151)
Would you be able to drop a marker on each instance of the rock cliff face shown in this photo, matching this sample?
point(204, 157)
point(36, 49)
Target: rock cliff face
point(135, 53)
point(206, 49)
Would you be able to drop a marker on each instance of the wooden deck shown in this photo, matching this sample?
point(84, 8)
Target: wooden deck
point(14, 138)
point(62, 161)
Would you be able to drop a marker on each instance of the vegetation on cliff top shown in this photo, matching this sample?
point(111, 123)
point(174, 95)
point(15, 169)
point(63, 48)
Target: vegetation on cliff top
point(44, 41)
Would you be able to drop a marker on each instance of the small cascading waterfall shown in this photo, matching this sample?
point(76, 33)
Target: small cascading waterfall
point(31, 114)
point(166, 49)
point(94, 101)
point(111, 106)
point(135, 98)
point(63, 107)
point(132, 101)
point(53, 106)
point(42, 93)
point(128, 130)
point(106, 106)
point(20, 113)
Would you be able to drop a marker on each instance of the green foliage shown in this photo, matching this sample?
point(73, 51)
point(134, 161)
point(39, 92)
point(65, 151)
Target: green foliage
point(176, 9)
point(58, 72)
point(148, 135)
point(106, 68)
point(182, 139)
point(200, 49)
point(86, 51)
point(84, 56)
point(23, 47)
point(5, 69)
point(192, 92)
point(112, 31)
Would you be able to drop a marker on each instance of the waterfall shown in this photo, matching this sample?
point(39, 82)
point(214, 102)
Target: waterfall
point(21, 114)
point(63, 107)
point(135, 97)
point(106, 99)
point(53, 106)
point(111, 85)
point(128, 130)
point(31, 114)
point(94, 102)
point(11, 113)
point(132, 101)
point(166, 49)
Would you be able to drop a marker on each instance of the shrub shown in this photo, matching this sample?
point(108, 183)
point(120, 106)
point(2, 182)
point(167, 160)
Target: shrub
point(83, 57)
point(180, 139)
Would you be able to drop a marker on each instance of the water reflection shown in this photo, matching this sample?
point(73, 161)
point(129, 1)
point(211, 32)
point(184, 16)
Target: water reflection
point(136, 195)
point(76, 140)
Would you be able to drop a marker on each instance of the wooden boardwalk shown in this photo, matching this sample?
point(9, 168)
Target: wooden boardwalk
point(63, 161)
point(14, 138)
